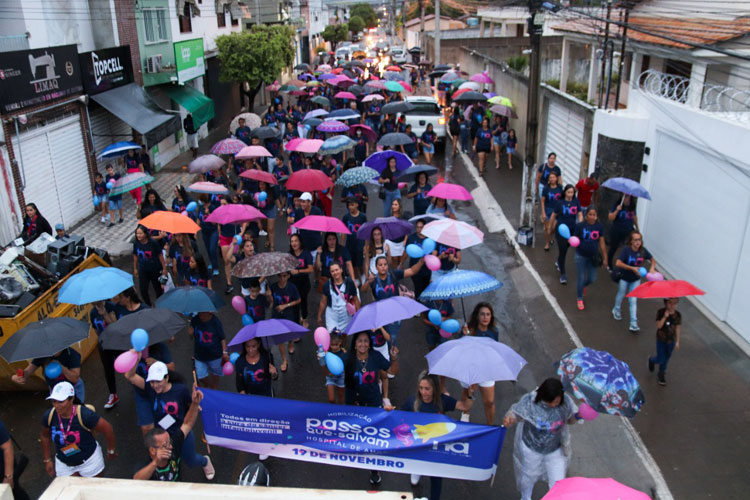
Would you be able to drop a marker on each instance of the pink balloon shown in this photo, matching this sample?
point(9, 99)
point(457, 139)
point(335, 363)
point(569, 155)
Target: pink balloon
point(227, 368)
point(574, 241)
point(322, 338)
point(239, 304)
point(432, 262)
point(587, 413)
point(444, 334)
point(184, 212)
point(126, 361)
point(401, 185)
point(655, 276)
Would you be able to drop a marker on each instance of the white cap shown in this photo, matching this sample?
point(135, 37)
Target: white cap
point(62, 391)
point(305, 197)
point(157, 371)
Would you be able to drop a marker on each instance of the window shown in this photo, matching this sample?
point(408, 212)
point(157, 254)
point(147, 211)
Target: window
point(235, 21)
point(221, 19)
point(185, 25)
point(155, 24)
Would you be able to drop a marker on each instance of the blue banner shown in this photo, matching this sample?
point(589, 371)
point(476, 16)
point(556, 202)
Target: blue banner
point(352, 436)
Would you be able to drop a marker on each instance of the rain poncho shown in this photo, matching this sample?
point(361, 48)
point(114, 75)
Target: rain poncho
point(542, 436)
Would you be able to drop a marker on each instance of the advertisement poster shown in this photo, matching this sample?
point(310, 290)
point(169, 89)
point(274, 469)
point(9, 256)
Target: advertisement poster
point(188, 57)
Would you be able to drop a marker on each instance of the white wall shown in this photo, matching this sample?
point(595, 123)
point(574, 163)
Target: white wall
point(53, 23)
point(318, 17)
point(203, 26)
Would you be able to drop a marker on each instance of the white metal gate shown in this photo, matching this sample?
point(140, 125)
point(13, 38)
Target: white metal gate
point(564, 137)
point(106, 129)
point(10, 213)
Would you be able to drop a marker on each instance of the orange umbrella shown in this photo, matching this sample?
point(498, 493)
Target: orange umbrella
point(170, 222)
point(393, 68)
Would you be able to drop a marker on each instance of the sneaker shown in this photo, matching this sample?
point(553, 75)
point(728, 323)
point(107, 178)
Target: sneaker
point(579, 303)
point(390, 375)
point(661, 379)
point(112, 401)
point(229, 289)
point(375, 478)
point(111, 224)
point(650, 365)
point(262, 233)
point(104, 220)
point(208, 469)
point(121, 220)
point(210, 267)
point(616, 314)
point(563, 280)
point(634, 328)
point(216, 272)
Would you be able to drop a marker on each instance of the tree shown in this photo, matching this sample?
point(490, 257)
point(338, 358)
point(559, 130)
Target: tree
point(335, 33)
point(366, 12)
point(256, 56)
point(356, 24)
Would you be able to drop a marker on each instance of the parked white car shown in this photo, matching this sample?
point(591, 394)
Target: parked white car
point(427, 110)
point(398, 55)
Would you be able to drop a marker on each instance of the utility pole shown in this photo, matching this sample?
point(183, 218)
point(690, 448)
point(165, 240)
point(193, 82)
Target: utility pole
point(604, 55)
point(622, 54)
point(437, 32)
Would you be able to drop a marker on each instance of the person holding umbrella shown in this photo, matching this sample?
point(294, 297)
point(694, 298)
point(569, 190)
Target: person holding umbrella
point(542, 443)
point(482, 324)
point(254, 370)
point(422, 278)
point(668, 325)
point(310, 239)
point(590, 254)
point(69, 362)
point(439, 206)
point(628, 268)
point(300, 276)
point(284, 298)
point(148, 263)
point(624, 221)
point(210, 349)
point(390, 185)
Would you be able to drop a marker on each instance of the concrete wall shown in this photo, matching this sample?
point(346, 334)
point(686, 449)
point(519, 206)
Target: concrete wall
point(204, 26)
point(163, 48)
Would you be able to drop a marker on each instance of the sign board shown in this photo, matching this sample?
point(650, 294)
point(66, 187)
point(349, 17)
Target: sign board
point(106, 69)
point(31, 77)
point(188, 56)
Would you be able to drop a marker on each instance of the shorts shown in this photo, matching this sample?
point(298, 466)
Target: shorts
point(143, 410)
point(496, 141)
point(412, 154)
point(192, 140)
point(202, 368)
point(428, 148)
point(490, 383)
point(510, 150)
point(548, 210)
point(337, 380)
point(92, 466)
point(483, 150)
point(225, 241)
point(115, 204)
point(271, 212)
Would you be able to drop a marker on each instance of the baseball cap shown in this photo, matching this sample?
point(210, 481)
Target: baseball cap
point(62, 391)
point(59, 227)
point(305, 197)
point(157, 371)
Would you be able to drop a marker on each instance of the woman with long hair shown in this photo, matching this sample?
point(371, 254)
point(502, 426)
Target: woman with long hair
point(390, 185)
point(590, 253)
point(551, 195)
point(482, 324)
point(181, 249)
point(148, 263)
point(627, 268)
point(339, 301)
point(152, 203)
point(624, 221)
point(398, 247)
point(376, 247)
point(567, 211)
point(331, 251)
point(180, 200)
point(34, 224)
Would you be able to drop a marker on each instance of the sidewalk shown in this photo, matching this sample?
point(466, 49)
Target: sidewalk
point(694, 427)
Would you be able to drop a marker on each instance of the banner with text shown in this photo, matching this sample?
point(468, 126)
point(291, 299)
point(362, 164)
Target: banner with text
point(352, 436)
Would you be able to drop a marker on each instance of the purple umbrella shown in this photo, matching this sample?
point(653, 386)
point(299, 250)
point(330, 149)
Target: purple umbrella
point(392, 228)
point(379, 160)
point(315, 113)
point(475, 359)
point(306, 76)
point(383, 312)
point(326, 76)
point(333, 126)
point(277, 331)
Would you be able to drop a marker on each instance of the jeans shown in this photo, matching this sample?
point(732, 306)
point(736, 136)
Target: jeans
point(663, 353)
point(624, 288)
point(392, 330)
point(211, 241)
point(586, 273)
point(80, 390)
point(562, 252)
point(388, 201)
point(189, 456)
point(464, 134)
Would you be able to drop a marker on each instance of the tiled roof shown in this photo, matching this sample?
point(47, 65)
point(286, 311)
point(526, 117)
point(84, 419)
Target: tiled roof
point(696, 30)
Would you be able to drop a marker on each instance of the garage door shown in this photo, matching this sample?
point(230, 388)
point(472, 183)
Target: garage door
point(106, 129)
point(564, 137)
point(56, 173)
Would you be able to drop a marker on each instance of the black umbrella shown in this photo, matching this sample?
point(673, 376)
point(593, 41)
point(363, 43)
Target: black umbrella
point(397, 107)
point(319, 99)
point(410, 174)
point(470, 96)
point(354, 63)
point(266, 132)
point(356, 90)
point(349, 73)
point(437, 73)
point(313, 122)
point(44, 338)
point(446, 67)
point(414, 50)
point(161, 325)
point(302, 67)
point(394, 139)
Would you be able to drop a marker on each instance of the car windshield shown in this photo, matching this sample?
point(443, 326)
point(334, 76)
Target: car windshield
point(424, 108)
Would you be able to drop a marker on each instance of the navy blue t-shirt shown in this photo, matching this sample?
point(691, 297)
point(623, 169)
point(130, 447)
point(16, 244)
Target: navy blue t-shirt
point(383, 289)
point(635, 259)
point(358, 191)
point(253, 378)
point(589, 235)
point(412, 146)
point(546, 170)
point(353, 223)
point(207, 337)
point(365, 389)
point(69, 358)
point(256, 307)
point(421, 201)
point(446, 264)
point(182, 261)
point(311, 240)
point(327, 258)
point(97, 320)
point(148, 255)
point(446, 311)
point(113, 178)
point(484, 140)
point(174, 402)
point(490, 333)
point(551, 198)
point(625, 219)
point(73, 443)
point(449, 404)
point(567, 212)
point(243, 134)
point(283, 296)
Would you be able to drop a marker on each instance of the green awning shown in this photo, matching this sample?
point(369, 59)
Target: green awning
point(200, 106)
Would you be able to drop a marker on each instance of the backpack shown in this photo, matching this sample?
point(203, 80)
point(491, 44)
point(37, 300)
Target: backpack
point(80, 419)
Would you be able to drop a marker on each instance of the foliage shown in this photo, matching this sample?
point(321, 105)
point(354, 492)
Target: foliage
point(320, 48)
point(577, 90)
point(366, 13)
point(518, 63)
point(335, 33)
point(356, 24)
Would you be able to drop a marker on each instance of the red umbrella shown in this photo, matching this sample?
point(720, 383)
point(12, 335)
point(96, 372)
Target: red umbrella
point(322, 223)
point(336, 71)
point(259, 175)
point(665, 290)
point(405, 85)
point(308, 180)
point(369, 133)
point(459, 92)
point(393, 68)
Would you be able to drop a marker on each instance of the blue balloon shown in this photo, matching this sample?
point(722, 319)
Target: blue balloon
point(262, 196)
point(247, 320)
point(139, 339)
point(53, 370)
point(110, 185)
point(428, 245)
point(334, 364)
point(192, 206)
point(642, 271)
point(234, 357)
point(96, 201)
point(450, 325)
point(564, 231)
point(238, 238)
point(414, 251)
point(435, 317)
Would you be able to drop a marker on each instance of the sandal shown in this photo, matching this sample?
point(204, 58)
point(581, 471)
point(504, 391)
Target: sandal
point(291, 349)
point(284, 366)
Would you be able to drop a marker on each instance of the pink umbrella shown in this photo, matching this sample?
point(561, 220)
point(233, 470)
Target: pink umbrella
point(369, 133)
point(298, 92)
point(482, 77)
point(322, 223)
point(450, 192)
point(253, 152)
point(234, 213)
point(344, 95)
point(373, 97)
point(275, 86)
point(207, 188)
point(405, 85)
point(376, 84)
point(308, 179)
point(344, 84)
point(585, 488)
point(324, 67)
point(292, 144)
point(259, 175)
point(453, 233)
point(228, 147)
point(308, 146)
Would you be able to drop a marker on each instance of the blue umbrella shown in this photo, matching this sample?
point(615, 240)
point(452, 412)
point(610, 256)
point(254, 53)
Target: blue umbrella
point(471, 360)
point(410, 174)
point(336, 144)
point(277, 330)
point(118, 149)
point(379, 160)
point(313, 122)
point(604, 382)
point(96, 283)
point(459, 283)
point(393, 228)
point(343, 114)
point(357, 175)
point(392, 76)
point(383, 312)
point(627, 186)
point(190, 299)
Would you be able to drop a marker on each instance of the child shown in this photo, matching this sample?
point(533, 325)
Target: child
point(115, 202)
point(335, 383)
point(255, 303)
point(60, 231)
point(210, 348)
point(668, 323)
point(100, 190)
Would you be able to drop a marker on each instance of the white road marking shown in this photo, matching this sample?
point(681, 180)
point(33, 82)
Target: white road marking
point(495, 220)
